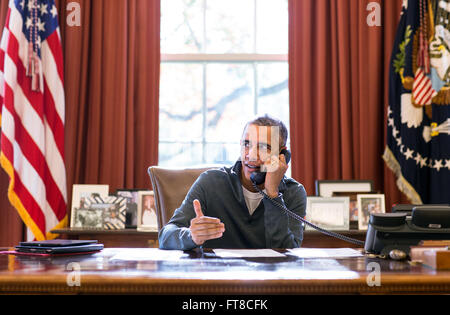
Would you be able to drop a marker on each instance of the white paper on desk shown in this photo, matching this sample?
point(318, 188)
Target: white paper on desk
point(247, 253)
point(325, 252)
point(147, 254)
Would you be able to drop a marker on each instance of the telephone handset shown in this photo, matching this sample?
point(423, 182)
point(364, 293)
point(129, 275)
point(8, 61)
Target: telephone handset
point(260, 177)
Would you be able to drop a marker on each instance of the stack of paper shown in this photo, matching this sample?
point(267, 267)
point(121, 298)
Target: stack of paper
point(247, 253)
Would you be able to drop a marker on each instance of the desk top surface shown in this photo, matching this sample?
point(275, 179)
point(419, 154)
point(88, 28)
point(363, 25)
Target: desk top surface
point(102, 272)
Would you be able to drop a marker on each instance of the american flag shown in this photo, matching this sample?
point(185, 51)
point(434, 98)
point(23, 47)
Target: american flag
point(32, 115)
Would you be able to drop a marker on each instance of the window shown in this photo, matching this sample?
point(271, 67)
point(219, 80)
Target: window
point(222, 63)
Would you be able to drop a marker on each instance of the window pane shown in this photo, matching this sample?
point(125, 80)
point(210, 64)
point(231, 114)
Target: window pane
point(230, 26)
point(181, 97)
point(180, 154)
point(273, 90)
point(272, 26)
point(230, 100)
point(222, 153)
point(182, 26)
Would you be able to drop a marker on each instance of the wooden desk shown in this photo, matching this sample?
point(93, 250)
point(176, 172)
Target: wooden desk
point(208, 274)
point(134, 238)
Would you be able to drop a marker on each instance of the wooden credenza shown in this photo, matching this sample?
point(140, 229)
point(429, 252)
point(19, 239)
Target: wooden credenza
point(136, 239)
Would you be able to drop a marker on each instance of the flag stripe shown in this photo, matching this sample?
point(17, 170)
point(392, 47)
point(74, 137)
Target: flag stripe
point(18, 56)
point(54, 44)
point(419, 80)
point(426, 95)
point(33, 126)
point(423, 87)
point(29, 116)
point(15, 200)
point(56, 95)
point(54, 81)
point(31, 157)
point(56, 124)
point(27, 199)
point(423, 91)
point(34, 157)
point(3, 43)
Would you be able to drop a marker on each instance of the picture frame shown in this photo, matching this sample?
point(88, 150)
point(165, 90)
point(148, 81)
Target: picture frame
point(147, 219)
point(325, 188)
point(132, 205)
point(80, 192)
point(330, 213)
point(101, 213)
point(367, 204)
point(353, 205)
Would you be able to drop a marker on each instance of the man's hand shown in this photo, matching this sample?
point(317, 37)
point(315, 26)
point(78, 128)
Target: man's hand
point(204, 228)
point(275, 175)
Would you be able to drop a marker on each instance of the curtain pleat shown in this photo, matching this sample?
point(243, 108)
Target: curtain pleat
point(338, 91)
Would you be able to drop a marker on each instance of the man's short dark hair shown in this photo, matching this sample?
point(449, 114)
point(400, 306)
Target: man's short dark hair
point(270, 121)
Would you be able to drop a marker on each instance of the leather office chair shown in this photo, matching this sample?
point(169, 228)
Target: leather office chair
point(170, 187)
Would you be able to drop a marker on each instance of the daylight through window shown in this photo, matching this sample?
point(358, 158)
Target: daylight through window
point(222, 63)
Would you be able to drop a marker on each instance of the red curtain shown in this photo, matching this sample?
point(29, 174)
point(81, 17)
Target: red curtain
point(111, 67)
point(112, 93)
point(339, 90)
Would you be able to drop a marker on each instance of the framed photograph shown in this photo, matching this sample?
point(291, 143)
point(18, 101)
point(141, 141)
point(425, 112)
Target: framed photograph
point(147, 217)
point(326, 188)
point(353, 206)
point(132, 204)
point(88, 218)
point(79, 195)
point(105, 213)
point(330, 213)
point(367, 204)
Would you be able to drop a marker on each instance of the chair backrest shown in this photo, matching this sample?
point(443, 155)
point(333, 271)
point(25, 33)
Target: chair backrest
point(170, 187)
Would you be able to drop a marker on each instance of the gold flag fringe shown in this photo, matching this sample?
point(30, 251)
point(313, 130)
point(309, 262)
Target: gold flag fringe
point(403, 185)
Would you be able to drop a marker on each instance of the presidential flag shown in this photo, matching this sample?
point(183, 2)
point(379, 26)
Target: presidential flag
point(418, 126)
point(32, 115)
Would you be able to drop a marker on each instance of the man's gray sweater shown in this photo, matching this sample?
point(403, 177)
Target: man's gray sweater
point(220, 194)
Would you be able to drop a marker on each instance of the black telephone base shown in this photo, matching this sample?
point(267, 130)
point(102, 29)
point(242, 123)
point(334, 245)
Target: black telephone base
point(389, 231)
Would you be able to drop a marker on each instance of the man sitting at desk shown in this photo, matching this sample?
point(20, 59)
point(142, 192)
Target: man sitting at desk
point(224, 210)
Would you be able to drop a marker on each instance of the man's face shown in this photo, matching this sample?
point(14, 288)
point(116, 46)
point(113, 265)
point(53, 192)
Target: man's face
point(258, 144)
